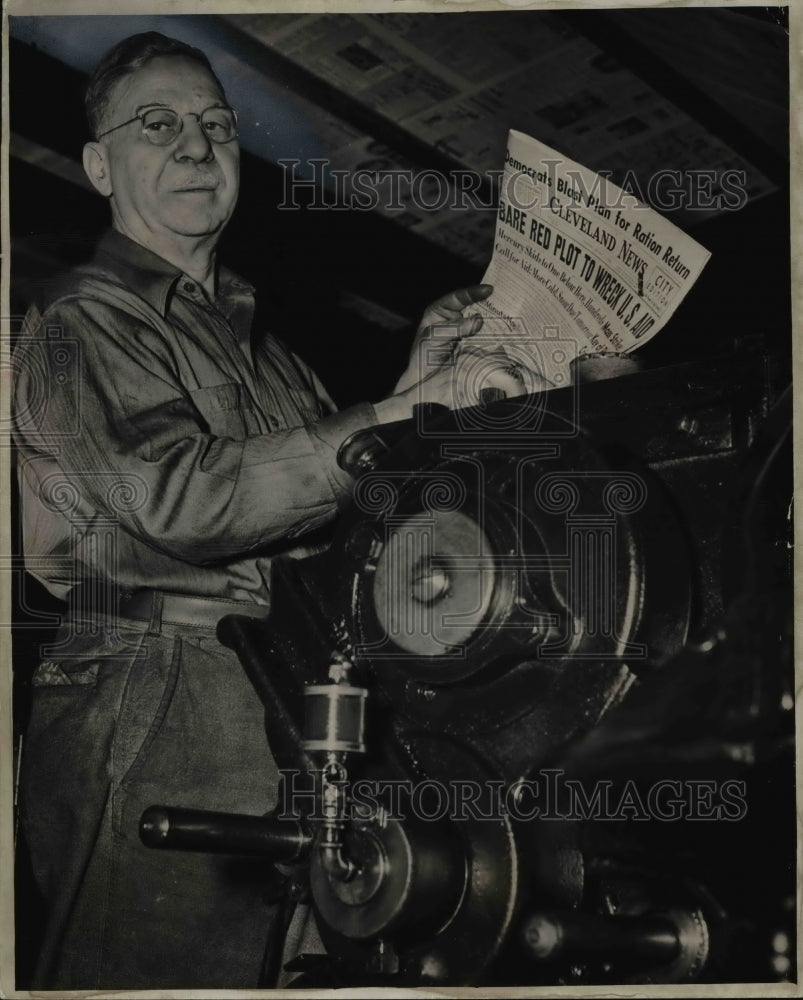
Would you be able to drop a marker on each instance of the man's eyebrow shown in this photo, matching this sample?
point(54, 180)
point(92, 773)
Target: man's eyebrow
point(161, 104)
point(153, 104)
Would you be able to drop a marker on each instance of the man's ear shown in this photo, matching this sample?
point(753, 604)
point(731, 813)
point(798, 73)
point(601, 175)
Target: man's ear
point(97, 169)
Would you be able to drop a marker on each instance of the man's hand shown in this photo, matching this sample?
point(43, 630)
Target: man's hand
point(444, 325)
point(441, 370)
point(458, 383)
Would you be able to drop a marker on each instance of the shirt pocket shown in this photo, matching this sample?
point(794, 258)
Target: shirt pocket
point(227, 410)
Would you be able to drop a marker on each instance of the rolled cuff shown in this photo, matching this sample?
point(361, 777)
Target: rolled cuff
point(327, 437)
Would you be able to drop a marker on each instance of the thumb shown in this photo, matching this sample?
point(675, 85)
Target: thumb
point(458, 300)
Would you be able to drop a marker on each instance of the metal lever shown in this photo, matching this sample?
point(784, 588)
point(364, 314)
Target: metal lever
point(635, 940)
point(223, 833)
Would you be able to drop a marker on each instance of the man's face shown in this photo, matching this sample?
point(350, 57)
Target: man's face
point(185, 189)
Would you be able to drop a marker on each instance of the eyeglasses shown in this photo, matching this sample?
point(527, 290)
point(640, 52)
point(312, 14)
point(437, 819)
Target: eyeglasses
point(161, 126)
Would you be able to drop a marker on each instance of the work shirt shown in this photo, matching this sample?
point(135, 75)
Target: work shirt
point(160, 444)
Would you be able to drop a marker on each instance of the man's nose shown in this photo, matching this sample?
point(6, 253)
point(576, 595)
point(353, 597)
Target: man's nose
point(192, 142)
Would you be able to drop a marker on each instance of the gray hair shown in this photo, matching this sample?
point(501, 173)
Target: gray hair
point(127, 57)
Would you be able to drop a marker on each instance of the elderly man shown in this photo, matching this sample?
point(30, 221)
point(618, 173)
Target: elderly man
point(203, 451)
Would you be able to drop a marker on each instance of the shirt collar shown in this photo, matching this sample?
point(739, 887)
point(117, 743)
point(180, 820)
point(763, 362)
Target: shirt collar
point(152, 277)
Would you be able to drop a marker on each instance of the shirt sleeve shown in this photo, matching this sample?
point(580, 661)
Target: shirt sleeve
point(195, 496)
point(329, 434)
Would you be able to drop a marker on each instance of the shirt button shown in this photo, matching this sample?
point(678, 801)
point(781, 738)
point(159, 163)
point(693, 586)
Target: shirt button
point(189, 287)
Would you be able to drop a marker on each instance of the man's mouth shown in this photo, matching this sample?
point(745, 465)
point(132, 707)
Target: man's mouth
point(206, 186)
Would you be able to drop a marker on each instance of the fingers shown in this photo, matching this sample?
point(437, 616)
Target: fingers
point(465, 297)
point(456, 329)
point(469, 325)
point(448, 306)
point(455, 385)
point(436, 344)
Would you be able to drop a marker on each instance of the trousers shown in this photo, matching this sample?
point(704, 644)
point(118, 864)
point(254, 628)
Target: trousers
point(152, 715)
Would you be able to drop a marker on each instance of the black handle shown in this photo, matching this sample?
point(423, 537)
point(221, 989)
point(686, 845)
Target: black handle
point(223, 833)
point(636, 940)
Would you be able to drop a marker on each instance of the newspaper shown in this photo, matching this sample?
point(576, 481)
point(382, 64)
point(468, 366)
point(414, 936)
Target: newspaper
point(579, 267)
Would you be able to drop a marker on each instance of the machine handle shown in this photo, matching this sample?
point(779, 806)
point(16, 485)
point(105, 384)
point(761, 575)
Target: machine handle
point(223, 833)
point(647, 940)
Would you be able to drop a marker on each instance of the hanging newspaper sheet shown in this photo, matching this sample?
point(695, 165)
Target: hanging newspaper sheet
point(579, 267)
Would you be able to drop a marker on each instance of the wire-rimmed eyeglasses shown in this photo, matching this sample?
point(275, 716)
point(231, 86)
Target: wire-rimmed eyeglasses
point(161, 126)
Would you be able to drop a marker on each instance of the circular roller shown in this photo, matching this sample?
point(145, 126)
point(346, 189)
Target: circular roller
point(474, 581)
point(431, 593)
point(433, 582)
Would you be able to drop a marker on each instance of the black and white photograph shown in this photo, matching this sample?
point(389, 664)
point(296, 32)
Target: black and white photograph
point(398, 529)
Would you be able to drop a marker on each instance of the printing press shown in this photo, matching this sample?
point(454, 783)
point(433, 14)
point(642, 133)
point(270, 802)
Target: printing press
point(533, 706)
